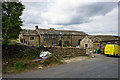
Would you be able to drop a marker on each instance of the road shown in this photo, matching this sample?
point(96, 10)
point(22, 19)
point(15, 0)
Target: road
point(98, 67)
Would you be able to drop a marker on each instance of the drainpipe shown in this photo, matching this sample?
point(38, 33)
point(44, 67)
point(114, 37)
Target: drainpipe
point(100, 45)
point(39, 40)
point(71, 40)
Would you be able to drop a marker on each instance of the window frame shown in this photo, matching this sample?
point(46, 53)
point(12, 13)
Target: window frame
point(32, 38)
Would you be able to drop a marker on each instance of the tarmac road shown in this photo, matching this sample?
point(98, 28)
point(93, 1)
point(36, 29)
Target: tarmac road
point(98, 67)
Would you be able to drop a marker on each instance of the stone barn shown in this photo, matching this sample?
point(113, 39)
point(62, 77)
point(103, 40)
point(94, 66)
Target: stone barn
point(97, 41)
point(90, 42)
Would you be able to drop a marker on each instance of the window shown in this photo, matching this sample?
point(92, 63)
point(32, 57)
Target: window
point(98, 45)
point(68, 37)
point(103, 45)
point(62, 37)
point(86, 45)
point(54, 43)
point(46, 36)
point(53, 36)
point(66, 42)
point(31, 38)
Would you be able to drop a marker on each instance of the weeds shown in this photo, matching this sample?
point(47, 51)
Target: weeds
point(17, 65)
point(52, 60)
point(90, 57)
point(34, 64)
point(20, 65)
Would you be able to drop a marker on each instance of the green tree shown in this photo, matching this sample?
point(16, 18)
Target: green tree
point(11, 21)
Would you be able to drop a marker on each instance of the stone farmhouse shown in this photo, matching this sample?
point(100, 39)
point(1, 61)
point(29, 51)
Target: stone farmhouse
point(51, 37)
point(64, 38)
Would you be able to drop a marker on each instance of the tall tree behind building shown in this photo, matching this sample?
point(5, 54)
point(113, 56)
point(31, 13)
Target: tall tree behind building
point(11, 21)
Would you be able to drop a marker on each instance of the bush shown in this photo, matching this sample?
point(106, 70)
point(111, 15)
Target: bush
point(34, 64)
point(19, 65)
point(31, 56)
point(46, 62)
point(35, 55)
point(5, 42)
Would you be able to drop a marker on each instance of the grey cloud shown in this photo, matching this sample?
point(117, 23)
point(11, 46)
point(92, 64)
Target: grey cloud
point(83, 13)
point(99, 8)
point(95, 9)
point(77, 15)
point(119, 18)
point(32, 12)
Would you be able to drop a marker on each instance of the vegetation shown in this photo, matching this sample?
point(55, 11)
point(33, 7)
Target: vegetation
point(19, 65)
point(16, 64)
point(13, 43)
point(51, 60)
point(11, 21)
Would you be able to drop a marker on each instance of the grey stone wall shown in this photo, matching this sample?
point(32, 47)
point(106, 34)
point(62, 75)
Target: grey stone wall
point(66, 51)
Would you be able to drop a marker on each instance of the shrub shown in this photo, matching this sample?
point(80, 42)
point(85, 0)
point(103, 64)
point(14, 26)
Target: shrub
point(52, 59)
point(46, 62)
point(19, 65)
point(34, 64)
point(37, 54)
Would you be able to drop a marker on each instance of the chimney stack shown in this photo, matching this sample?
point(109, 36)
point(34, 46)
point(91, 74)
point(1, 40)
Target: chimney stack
point(36, 27)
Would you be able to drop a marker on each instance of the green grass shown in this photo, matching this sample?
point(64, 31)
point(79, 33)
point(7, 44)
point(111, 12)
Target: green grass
point(14, 40)
point(13, 43)
point(90, 57)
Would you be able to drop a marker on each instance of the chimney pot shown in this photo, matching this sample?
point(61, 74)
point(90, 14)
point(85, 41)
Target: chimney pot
point(36, 27)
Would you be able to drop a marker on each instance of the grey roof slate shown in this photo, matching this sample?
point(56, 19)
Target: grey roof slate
point(52, 31)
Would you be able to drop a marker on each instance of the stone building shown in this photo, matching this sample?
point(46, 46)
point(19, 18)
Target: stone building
point(90, 42)
point(97, 41)
point(51, 37)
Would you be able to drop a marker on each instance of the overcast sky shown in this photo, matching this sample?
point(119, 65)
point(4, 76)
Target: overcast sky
point(90, 17)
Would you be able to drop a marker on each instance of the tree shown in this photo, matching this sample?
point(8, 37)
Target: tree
point(11, 21)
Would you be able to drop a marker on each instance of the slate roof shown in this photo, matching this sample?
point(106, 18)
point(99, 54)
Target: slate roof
point(29, 32)
point(94, 39)
point(97, 38)
point(52, 31)
point(107, 37)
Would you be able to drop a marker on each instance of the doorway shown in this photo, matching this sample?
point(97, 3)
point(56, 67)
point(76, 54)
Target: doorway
point(79, 41)
point(60, 43)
